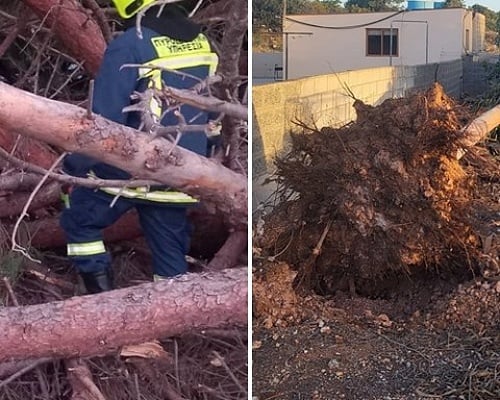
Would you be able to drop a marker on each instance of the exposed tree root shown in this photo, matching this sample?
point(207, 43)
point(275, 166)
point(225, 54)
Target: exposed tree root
point(398, 199)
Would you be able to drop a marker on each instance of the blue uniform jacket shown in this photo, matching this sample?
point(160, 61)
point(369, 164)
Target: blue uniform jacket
point(112, 90)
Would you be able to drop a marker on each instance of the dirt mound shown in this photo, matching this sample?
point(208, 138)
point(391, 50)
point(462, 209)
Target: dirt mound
point(381, 197)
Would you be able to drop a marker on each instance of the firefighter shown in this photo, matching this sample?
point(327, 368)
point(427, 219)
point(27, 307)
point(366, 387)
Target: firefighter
point(173, 41)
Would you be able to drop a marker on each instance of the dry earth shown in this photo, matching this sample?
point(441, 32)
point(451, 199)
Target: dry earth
point(431, 339)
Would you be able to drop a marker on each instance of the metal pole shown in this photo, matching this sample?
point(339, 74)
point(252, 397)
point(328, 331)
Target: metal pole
point(285, 34)
point(286, 56)
point(390, 45)
point(426, 42)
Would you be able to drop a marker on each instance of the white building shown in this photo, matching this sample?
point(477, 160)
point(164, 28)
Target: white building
point(322, 44)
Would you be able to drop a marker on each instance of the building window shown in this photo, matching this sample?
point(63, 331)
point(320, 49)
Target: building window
point(379, 43)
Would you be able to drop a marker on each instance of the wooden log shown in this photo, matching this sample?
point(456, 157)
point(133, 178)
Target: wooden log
point(480, 128)
point(13, 204)
point(79, 33)
point(27, 149)
point(69, 127)
point(46, 233)
point(99, 324)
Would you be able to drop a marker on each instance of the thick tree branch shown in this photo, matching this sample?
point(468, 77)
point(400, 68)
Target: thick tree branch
point(18, 181)
point(66, 126)
point(13, 205)
point(71, 180)
point(215, 12)
point(480, 127)
point(25, 148)
point(81, 381)
point(46, 233)
point(98, 324)
point(228, 254)
point(79, 33)
point(214, 104)
point(234, 32)
point(100, 18)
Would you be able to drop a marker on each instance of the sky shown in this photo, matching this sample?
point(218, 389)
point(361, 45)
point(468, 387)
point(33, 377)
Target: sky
point(491, 4)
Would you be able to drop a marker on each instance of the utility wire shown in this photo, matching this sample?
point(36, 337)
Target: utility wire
point(344, 27)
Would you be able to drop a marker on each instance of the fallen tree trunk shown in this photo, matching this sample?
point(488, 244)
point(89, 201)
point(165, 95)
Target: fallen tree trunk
point(27, 149)
point(69, 127)
point(19, 181)
point(80, 34)
point(480, 128)
point(98, 324)
point(46, 233)
point(12, 205)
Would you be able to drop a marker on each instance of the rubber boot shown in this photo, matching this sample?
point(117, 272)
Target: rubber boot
point(97, 282)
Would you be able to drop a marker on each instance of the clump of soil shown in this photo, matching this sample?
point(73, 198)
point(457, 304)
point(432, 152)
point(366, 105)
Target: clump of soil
point(382, 197)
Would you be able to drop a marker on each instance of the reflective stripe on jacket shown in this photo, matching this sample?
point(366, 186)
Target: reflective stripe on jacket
point(176, 55)
point(144, 193)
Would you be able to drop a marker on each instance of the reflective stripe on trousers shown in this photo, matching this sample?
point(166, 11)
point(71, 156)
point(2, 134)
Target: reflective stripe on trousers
point(86, 249)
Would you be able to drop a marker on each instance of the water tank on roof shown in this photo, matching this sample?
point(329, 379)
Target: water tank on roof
point(420, 5)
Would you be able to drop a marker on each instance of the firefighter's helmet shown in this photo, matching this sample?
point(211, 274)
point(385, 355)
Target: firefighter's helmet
point(129, 8)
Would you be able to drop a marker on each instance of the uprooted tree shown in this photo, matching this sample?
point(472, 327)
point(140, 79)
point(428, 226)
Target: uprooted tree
point(400, 191)
point(51, 49)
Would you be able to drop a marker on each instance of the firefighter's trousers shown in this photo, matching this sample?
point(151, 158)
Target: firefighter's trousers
point(166, 230)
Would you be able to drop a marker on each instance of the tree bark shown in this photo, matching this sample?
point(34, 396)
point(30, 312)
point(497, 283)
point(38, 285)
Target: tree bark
point(228, 254)
point(98, 324)
point(234, 33)
point(18, 181)
point(27, 149)
point(68, 127)
point(12, 205)
point(479, 129)
point(74, 28)
point(46, 233)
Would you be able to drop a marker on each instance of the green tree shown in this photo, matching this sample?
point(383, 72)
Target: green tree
point(269, 13)
point(454, 3)
point(490, 15)
point(373, 5)
point(497, 29)
point(323, 7)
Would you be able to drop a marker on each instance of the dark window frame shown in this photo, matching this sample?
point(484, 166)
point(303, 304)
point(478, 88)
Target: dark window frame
point(383, 32)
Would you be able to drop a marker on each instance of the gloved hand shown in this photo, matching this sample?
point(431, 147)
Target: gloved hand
point(213, 132)
point(214, 128)
point(65, 193)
